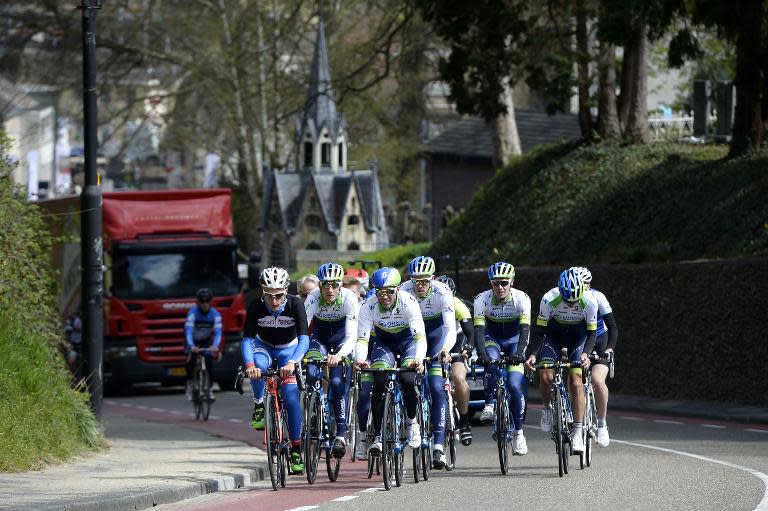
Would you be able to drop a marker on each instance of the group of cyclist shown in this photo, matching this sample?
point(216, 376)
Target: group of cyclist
point(419, 324)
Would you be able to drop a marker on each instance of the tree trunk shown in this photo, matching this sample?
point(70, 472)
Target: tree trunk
point(637, 130)
point(627, 84)
point(506, 141)
point(582, 48)
point(607, 114)
point(747, 121)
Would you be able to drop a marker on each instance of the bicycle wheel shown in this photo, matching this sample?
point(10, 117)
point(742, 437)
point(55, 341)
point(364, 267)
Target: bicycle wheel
point(416, 453)
point(453, 439)
point(351, 436)
point(389, 435)
point(398, 424)
point(312, 434)
point(284, 448)
point(196, 401)
point(272, 441)
point(332, 464)
point(205, 386)
point(502, 426)
point(558, 429)
point(565, 451)
point(425, 424)
point(592, 429)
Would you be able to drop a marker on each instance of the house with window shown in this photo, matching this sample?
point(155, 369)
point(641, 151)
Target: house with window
point(321, 210)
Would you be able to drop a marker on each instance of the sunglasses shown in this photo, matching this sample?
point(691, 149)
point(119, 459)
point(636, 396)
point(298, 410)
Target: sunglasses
point(500, 283)
point(335, 284)
point(422, 282)
point(275, 296)
point(387, 291)
point(204, 301)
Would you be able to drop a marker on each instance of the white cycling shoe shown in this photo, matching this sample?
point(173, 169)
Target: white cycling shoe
point(414, 435)
point(602, 437)
point(546, 419)
point(577, 442)
point(375, 447)
point(487, 415)
point(361, 453)
point(519, 445)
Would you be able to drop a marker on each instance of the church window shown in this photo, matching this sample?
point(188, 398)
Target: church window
point(313, 221)
point(353, 220)
point(341, 155)
point(308, 154)
point(353, 246)
point(326, 154)
point(313, 246)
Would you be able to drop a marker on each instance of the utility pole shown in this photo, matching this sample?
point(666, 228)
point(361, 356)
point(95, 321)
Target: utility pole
point(91, 253)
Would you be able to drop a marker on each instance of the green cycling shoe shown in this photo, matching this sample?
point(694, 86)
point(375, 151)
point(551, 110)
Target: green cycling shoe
point(257, 421)
point(297, 464)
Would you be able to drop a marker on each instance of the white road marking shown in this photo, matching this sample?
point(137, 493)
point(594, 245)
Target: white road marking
point(628, 418)
point(303, 508)
point(761, 506)
point(757, 430)
point(235, 420)
point(158, 409)
point(142, 407)
point(177, 412)
point(660, 421)
point(371, 490)
point(214, 417)
point(713, 426)
point(127, 405)
point(345, 498)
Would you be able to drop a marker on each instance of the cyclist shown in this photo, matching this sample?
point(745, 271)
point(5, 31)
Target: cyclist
point(569, 317)
point(436, 303)
point(276, 329)
point(306, 285)
point(396, 318)
point(607, 337)
point(502, 318)
point(464, 347)
point(202, 329)
point(334, 334)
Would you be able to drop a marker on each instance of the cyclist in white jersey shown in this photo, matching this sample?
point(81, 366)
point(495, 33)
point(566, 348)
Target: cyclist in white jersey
point(333, 336)
point(607, 338)
point(436, 303)
point(396, 319)
point(568, 317)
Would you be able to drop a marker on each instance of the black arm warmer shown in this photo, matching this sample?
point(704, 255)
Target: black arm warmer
point(522, 343)
point(537, 339)
point(466, 327)
point(589, 344)
point(479, 339)
point(613, 330)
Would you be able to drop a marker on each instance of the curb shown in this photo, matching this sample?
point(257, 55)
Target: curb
point(132, 501)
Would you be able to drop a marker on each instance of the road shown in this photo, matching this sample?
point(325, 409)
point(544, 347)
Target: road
point(653, 462)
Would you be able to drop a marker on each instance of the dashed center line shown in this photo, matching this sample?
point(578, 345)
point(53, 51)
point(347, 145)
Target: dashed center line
point(713, 426)
point(629, 418)
point(661, 421)
point(345, 498)
point(158, 409)
point(303, 508)
point(757, 430)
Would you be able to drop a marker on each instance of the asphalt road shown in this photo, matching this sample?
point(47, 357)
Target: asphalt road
point(653, 462)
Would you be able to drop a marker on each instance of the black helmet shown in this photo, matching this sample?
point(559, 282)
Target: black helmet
point(448, 281)
point(204, 295)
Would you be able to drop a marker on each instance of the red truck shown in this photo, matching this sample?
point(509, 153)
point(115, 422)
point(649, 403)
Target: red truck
point(160, 247)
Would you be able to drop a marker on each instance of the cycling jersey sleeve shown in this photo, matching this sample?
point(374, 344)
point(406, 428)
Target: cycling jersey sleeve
point(589, 344)
point(300, 317)
point(351, 309)
point(246, 349)
point(364, 325)
point(613, 330)
point(466, 328)
point(522, 343)
point(478, 319)
point(252, 320)
point(311, 306)
point(189, 327)
point(216, 328)
point(449, 322)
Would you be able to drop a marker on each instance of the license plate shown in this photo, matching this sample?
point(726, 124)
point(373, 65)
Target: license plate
point(176, 371)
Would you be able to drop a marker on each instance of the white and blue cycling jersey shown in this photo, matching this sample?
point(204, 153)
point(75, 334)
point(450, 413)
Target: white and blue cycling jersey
point(401, 323)
point(564, 321)
point(603, 309)
point(202, 328)
point(335, 324)
point(438, 314)
point(502, 319)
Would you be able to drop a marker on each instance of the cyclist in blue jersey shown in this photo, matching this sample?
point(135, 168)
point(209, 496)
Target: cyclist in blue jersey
point(502, 318)
point(202, 329)
point(567, 319)
point(436, 304)
point(334, 334)
point(607, 337)
point(396, 318)
point(276, 329)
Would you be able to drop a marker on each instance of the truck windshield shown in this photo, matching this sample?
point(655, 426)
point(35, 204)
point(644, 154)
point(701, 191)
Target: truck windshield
point(174, 272)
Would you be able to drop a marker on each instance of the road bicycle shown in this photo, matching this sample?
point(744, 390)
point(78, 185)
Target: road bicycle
point(590, 409)
point(354, 397)
point(276, 437)
point(320, 423)
point(202, 394)
point(452, 420)
point(422, 456)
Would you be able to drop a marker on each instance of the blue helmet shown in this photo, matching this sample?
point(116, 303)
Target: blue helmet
point(385, 277)
point(571, 285)
point(421, 266)
point(501, 270)
point(330, 271)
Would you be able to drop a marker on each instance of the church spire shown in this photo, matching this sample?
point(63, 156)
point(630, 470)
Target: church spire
point(321, 107)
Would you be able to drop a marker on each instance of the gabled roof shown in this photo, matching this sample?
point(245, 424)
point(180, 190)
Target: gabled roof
point(471, 136)
point(290, 190)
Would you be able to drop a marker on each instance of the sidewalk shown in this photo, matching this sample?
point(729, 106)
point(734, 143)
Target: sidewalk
point(146, 464)
point(150, 463)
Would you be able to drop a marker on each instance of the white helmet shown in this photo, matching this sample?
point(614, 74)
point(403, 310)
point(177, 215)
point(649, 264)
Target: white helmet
point(586, 275)
point(274, 278)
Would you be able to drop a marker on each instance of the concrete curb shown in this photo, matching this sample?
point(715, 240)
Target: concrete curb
point(132, 501)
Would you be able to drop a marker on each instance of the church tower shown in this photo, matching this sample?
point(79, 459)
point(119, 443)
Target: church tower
point(321, 132)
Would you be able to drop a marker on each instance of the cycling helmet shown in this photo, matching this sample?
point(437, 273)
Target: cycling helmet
point(357, 274)
point(448, 281)
point(421, 266)
point(501, 270)
point(274, 278)
point(570, 285)
point(330, 271)
point(586, 275)
point(385, 277)
point(204, 294)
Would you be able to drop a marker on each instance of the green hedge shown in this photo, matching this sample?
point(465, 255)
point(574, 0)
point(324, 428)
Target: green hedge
point(41, 417)
point(614, 203)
